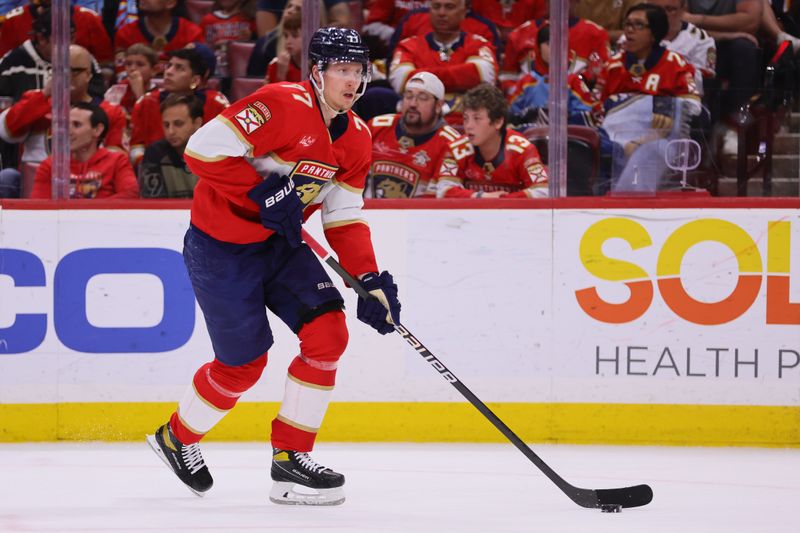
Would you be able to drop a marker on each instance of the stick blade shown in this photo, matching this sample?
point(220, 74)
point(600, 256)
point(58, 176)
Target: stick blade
point(635, 496)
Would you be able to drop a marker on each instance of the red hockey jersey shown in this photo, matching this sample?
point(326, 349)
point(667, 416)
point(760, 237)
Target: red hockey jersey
point(146, 117)
point(517, 168)
point(89, 31)
point(180, 34)
point(588, 48)
point(408, 166)
point(664, 73)
point(391, 11)
point(105, 175)
point(279, 129)
point(29, 121)
point(508, 14)
point(219, 29)
point(462, 66)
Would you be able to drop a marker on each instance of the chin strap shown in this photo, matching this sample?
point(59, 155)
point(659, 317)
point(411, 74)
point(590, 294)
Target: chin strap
point(320, 88)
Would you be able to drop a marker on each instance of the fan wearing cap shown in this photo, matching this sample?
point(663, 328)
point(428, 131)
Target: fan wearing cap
point(187, 70)
point(414, 148)
point(264, 165)
point(504, 163)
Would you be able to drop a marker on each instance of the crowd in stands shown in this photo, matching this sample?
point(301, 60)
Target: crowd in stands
point(459, 91)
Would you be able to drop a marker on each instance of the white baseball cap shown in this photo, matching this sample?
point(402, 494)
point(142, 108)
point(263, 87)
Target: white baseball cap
point(427, 82)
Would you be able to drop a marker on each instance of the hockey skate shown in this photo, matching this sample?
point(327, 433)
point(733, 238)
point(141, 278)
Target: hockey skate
point(301, 481)
point(186, 461)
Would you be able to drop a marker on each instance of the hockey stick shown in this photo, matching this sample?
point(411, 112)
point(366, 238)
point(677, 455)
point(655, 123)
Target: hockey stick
point(605, 499)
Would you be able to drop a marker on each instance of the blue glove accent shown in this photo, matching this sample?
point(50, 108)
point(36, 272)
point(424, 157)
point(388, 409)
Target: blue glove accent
point(280, 206)
point(373, 310)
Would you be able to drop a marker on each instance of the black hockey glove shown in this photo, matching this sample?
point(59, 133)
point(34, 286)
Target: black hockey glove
point(280, 206)
point(382, 310)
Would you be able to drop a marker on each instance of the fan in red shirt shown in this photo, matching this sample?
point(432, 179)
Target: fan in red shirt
point(184, 74)
point(94, 171)
point(508, 14)
point(588, 49)
point(411, 150)
point(224, 24)
point(385, 15)
point(28, 121)
point(158, 28)
point(460, 60)
point(140, 65)
point(89, 30)
point(504, 163)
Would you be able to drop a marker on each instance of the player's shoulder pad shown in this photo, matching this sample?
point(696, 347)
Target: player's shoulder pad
point(383, 121)
point(517, 138)
point(359, 125)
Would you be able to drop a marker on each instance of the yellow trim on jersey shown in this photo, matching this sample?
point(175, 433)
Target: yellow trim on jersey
point(340, 223)
point(349, 188)
point(204, 158)
point(296, 425)
point(236, 131)
point(309, 385)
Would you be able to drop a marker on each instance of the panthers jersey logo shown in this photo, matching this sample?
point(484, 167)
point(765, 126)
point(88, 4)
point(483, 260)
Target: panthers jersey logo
point(309, 177)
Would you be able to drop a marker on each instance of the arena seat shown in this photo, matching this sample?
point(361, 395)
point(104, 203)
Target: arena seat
point(238, 56)
point(241, 87)
point(583, 156)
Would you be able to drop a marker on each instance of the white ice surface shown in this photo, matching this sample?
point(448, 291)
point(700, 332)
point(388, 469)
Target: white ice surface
point(98, 487)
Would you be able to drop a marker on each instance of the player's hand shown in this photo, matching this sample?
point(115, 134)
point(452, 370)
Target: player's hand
point(382, 309)
point(280, 206)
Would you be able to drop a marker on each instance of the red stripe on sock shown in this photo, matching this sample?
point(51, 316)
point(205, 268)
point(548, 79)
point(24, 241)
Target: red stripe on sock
point(288, 437)
point(184, 434)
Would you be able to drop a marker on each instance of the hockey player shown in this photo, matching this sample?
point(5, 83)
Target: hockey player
point(412, 149)
point(504, 164)
point(271, 159)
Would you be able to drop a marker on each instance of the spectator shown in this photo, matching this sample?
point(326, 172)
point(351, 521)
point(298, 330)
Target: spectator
point(227, 22)
point(688, 40)
point(28, 121)
point(163, 173)
point(286, 65)
point(95, 172)
point(140, 68)
point(588, 49)
point(649, 95)
point(509, 14)
point(184, 75)
point(530, 98)
point(411, 150)
point(158, 28)
point(733, 24)
point(266, 46)
point(385, 15)
point(268, 14)
point(418, 22)
point(89, 30)
point(460, 60)
point(503, 163)
point(610, 14)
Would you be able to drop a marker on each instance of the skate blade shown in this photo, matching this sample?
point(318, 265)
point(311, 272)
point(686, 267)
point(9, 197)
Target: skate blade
point(288, 493)
point(151, 440)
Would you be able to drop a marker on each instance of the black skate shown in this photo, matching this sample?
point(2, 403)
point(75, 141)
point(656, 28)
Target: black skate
point(301, 481)
point(186, 461)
